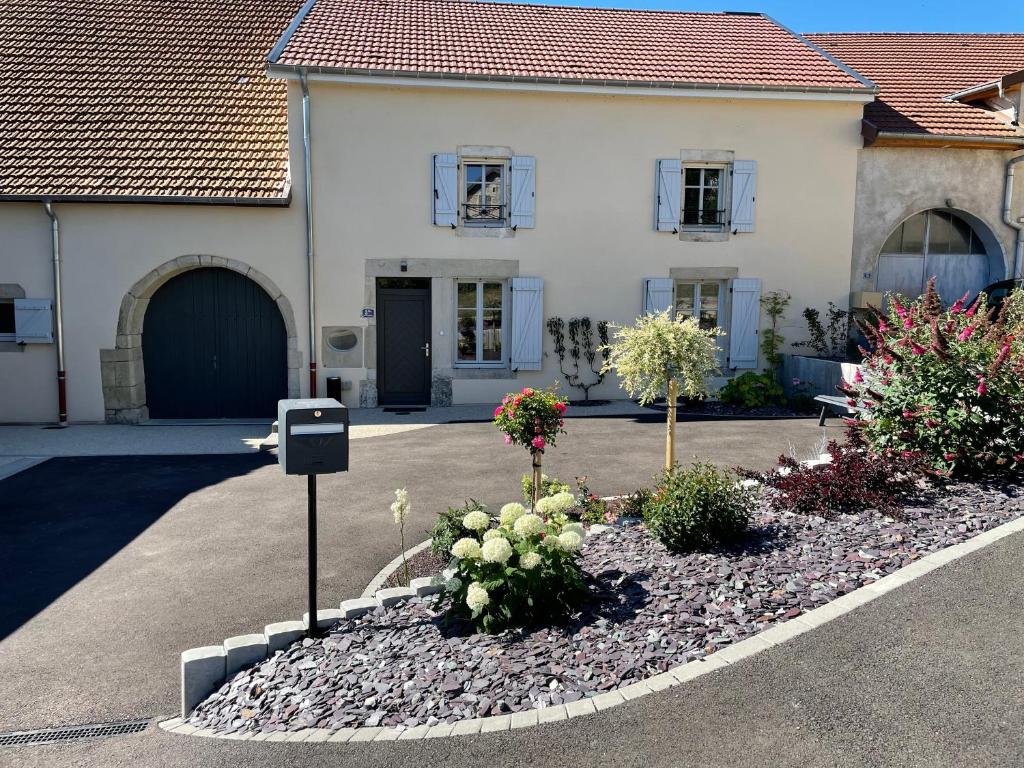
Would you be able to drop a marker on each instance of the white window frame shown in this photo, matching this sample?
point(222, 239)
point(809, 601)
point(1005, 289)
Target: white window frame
point(724, 196)
point(506, 193)
point(505, 299)
point(13, 335)
point(723, 287)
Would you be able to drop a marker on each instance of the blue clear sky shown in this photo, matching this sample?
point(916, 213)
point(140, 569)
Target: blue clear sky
point(855, 15)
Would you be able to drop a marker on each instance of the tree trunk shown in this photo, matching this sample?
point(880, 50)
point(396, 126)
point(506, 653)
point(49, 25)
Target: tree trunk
point(536, 478)
point(670, 425)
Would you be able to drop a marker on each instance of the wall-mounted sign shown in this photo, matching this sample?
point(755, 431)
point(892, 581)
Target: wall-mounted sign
point(368, 312)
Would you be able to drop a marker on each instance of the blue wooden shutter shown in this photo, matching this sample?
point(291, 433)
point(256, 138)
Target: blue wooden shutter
point(33, 321)
point(657, 294)
point(745, 321)
point(744, 189)
point(446, 190)
point(523, 188)
point(527, 323)
point(666, 201)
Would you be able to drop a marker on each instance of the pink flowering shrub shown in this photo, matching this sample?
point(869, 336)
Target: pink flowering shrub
point(947, 385)
point(532, 418)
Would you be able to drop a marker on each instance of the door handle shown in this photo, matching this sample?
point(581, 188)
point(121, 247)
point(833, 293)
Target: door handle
point(426, 348)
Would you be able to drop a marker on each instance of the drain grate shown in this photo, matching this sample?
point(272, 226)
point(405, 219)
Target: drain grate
point(71, 733)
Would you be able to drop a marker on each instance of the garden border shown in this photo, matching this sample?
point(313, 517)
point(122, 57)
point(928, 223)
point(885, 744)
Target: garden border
point(384, 573)
point(768, 638)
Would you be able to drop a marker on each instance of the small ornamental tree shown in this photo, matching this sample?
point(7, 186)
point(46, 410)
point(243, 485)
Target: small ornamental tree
point(660, 354)
point(945, 384)
point(581, 345)
point(533, 419)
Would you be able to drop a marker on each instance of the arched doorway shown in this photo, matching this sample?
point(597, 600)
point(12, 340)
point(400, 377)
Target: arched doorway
point(961, 254)
point(214, 346)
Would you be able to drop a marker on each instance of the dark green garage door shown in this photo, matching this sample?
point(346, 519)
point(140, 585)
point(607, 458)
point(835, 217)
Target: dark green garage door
point(214, 347)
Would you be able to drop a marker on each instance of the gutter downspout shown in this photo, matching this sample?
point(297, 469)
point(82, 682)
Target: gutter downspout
point(1018, 251)
point(58, 311)
point(307, 157)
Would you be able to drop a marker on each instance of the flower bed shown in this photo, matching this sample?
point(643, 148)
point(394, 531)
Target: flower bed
point(653, 610)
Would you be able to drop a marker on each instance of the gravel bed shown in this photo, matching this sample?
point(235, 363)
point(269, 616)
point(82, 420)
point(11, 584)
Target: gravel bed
point(424, 563)
point(651, 610)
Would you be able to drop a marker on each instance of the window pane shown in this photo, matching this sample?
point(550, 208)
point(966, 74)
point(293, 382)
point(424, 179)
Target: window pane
point(959, 235)
point(686, 296)
point(913, 234)
point(692, 177)
point(709, 305)
point(492, 295)
point(940, 232)
point(474, 173)
point(895, 241)
point(467, 335)
point(7, 317)
point(492, 336)
point(710, 205)
point(467, 295)
point(976, 245)
point(474, 194)
point(691, 205)
point(712, 177)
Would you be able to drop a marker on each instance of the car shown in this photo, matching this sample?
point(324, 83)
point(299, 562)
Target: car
point(997, 292)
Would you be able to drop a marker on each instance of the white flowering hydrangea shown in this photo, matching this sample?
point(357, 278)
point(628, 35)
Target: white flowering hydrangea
point(553, 505)
point(570, 541)
point(511, 512)
point(529, 561)
point(476, 597)
point(466, 549)
point(494, 533)
point(575, 527)
point(476, 520)
point(551, 542)
point(497, 550)
point(528, 525)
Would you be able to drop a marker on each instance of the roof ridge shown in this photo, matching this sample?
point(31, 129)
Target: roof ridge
point(582, 7)
point(915, 34)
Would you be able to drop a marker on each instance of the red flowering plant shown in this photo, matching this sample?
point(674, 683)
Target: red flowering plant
point(532, 418)
point(945, 384)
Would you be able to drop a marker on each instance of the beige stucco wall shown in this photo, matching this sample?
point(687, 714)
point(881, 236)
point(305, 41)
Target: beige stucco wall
point(894, 183)
point(106, 249)
point(595, 163)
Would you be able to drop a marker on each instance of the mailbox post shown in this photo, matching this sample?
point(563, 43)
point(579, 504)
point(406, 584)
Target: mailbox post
point(312, 440)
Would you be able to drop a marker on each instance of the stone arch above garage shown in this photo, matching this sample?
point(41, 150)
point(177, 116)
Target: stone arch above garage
point(122, 369)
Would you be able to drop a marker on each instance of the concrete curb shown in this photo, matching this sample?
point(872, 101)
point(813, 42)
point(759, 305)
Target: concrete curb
point(683, 673)
point(384, 573)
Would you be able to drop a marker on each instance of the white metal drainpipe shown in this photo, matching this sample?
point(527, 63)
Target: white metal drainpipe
point(1018, 251)
point(58, 312)
point(307, 153)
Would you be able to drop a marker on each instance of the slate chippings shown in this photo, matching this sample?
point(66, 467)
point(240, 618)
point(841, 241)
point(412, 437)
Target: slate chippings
point(652, 610)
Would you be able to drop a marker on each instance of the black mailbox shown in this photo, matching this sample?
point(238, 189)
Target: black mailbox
point(312, 436)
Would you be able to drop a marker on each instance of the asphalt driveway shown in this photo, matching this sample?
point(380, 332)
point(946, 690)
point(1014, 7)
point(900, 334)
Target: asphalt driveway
point(111, 566)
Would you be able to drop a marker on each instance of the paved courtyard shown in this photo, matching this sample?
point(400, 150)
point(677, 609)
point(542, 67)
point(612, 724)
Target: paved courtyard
point(112, 565)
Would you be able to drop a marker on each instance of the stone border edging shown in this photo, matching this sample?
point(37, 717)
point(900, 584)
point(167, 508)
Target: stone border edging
point(774, 635)
point(384, 573)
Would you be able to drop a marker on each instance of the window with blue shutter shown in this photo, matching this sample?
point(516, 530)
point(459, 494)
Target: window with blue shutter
point(657, 294)
point(523, 183)
point(744, 195)
point(33, 321)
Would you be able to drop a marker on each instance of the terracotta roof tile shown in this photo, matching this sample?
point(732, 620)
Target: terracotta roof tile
point(503, 40)
point(916, 71)
point(143, 98)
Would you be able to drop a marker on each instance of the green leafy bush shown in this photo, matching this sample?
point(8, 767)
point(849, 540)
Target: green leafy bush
point(752, 390)
point(947, 384)
point(699, 507)
point(523, 571)
point(448, 528)
point(549, 486)
point(589, 508)
point(635, 505)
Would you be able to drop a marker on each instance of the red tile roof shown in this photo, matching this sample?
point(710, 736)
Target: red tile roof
point(536, 42)
point(143, 98)
point(916, 71)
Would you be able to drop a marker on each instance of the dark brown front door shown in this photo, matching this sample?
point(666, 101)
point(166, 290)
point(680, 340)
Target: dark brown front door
point(403, 341)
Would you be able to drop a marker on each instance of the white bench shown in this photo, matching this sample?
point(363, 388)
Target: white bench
point(835, 403)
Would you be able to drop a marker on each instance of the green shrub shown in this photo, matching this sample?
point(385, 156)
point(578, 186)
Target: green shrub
point(698, 508)
point(549, 486)
point(522, 572)
point(752, 390)
point(947, 384)
point(589, 508)
point(448, 528)
point(635, 505)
